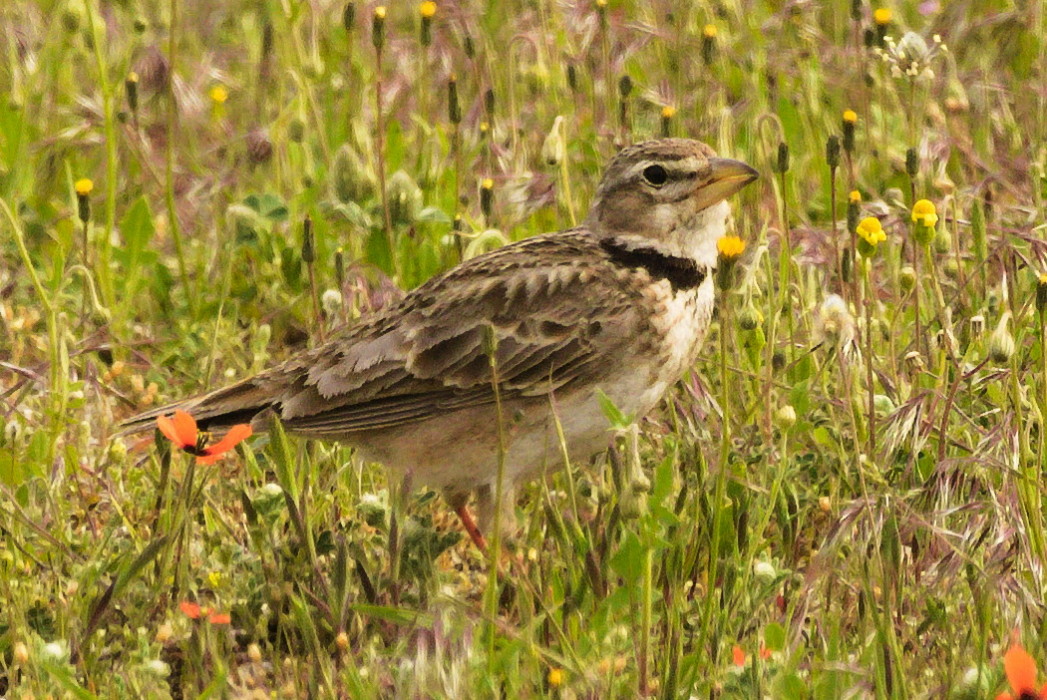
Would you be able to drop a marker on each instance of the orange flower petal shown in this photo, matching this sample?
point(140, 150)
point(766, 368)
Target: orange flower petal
point(1005, 696)
point(220, 618)
point(765, 653)
point(1020, 669)
point(167, 427)
point(191, 609)
point(236, 435)
point(739, 655)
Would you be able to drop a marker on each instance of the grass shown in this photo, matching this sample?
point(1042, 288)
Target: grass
point(844, 495)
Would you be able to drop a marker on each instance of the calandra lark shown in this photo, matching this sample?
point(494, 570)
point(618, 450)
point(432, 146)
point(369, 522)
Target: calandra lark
point(618, 305)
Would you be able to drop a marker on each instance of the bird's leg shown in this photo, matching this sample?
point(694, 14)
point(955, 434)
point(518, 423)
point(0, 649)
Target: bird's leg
point(470, 527)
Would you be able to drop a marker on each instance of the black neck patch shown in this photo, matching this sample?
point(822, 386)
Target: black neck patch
point(682, 273)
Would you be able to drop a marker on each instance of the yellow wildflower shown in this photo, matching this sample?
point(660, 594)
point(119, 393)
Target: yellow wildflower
point(855, 197)
point(218, 94)
point(427, 9)
point(730, 248)
point(709, 31)
point(871, 231)
point(487, 183)
point(379, 12)
point(83, 187)
point(924, 212)
point(850, 116)
point(668, 112)
point(882, 16)
point(555, 677)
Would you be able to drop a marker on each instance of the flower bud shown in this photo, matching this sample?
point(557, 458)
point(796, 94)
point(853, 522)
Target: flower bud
point(785, 417)
point(668, 112)
point(554, 150)
point(729, 249)
point(781, 163)
point(832, 151)
point(454, 107)
point(750, 318)
point(427, 10)
point(405, 198)
point(912, 163)
point(378, 28)
point(943, 242)
point(487, 197)
point(308, 244)
point(296, 130)
point(708, 47)
point(1001, 343)
point(349, 16)
point(353, 179)
point(1041, 294)
point(907, 278)
point(850, 119)
point(131, 89)
point(882, 405)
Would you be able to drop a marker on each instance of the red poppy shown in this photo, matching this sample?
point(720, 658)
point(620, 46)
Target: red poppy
point(1021, 676)
point(739, 656)
point(181, 430)
point(191, 609)
point(765, 653)
point(220, 618)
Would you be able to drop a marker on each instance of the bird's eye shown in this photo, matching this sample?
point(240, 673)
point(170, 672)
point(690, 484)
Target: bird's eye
point(655, 175)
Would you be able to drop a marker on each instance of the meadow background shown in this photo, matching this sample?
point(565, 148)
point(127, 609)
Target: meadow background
point(843, 499)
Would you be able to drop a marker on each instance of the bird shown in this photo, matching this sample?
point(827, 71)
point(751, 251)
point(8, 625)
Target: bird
point(491, 362)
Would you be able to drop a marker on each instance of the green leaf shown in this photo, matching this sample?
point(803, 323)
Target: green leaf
point(627, 562)
point(616, 417)
point(774, 636)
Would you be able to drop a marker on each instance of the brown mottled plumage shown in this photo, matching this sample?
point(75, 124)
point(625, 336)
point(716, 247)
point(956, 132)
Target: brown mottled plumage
point(618, 305)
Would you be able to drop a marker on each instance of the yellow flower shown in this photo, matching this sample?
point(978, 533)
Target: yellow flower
point(850, 116)
point(601, 3)
point(882, 16)
point(925, 213)
point(83, 187)
point(709, 31)
point(871, 231)
point(1043, 278)
point(487, 183)
point(218, 94)
point(555, 677)
point(730, 248)
point(668, 112)
point(855, 197)
point(427, 9)
point(379, 12)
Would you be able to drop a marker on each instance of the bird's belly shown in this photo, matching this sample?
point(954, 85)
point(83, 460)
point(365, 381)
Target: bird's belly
point(461, 451)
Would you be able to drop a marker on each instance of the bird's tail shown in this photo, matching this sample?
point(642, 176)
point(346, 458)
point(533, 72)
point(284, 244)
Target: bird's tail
point(247, 401)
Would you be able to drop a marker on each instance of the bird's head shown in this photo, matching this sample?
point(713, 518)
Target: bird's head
point(668, 194)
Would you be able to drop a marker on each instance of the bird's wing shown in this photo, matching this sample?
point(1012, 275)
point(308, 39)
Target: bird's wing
point(538, 316)
point(552, 311)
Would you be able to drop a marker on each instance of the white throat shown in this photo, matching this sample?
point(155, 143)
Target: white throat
point(695, 240)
